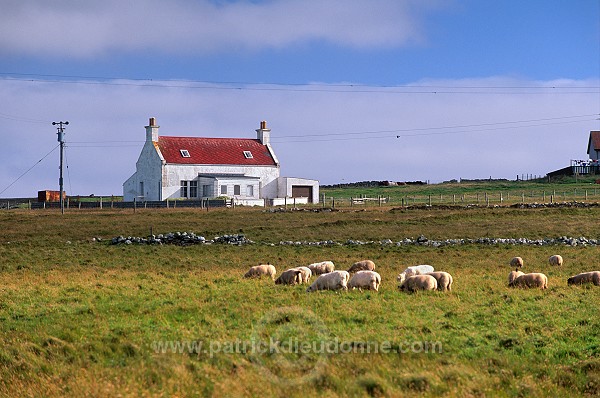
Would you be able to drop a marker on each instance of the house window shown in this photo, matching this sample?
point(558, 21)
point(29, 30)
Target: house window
point(184, 189)
point(206, 191)
point(184, 153)
point(248, 155)
point(223, 189)
point(250, 190)
point(237, 190)
point(193, 189)
point(141, 189)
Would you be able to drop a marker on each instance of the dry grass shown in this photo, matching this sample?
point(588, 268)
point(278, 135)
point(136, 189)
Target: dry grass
point(82, 318)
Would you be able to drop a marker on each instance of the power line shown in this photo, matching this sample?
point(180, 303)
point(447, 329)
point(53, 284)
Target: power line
point(309, 87)
point(28, 170)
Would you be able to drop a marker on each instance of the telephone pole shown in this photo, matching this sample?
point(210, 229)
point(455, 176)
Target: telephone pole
point(60, 133)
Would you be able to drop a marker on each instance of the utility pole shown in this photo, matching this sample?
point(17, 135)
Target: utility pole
point(60, 133)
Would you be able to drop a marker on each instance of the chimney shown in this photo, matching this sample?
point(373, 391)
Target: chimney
point(263, 134)
point(152, 130)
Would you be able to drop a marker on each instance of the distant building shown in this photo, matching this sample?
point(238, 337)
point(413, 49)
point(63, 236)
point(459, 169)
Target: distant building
point(593, 148)
point(244, 169)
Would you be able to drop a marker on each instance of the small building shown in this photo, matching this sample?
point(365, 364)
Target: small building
point(593, 148)
point(246, 170)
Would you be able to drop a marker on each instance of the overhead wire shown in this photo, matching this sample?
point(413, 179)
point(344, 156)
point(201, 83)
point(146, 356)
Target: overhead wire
point(28, 170)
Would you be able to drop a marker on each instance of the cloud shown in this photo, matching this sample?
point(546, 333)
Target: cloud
point(84, 29)
point(448, 129)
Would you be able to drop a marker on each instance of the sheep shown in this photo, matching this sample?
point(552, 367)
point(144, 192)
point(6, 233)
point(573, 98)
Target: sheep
point(414, 270)
point(419, 282)
point(369, 280)
point(321, 268)
point(514, 275)
point(530, 280)
point(364, 265)
point(330, 281)
point(258, 271)
point(291, 276)
point(516, 262)
point(444, 280)
point(586, 277)
point(556, 260)
point(305, 275)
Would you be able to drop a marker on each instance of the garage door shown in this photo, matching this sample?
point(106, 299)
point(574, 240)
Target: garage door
point(304, 191)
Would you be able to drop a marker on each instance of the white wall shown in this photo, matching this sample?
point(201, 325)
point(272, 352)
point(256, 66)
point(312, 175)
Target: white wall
point(174, 173)
point(148, 171)
point(286, 183)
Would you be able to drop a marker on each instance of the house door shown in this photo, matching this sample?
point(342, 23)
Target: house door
point(302, 191)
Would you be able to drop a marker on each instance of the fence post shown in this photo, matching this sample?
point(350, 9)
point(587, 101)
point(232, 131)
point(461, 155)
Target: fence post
point(501, 198)
point(453, 198)
point(134, 204)
point(429, 200)
point(100, 201)
point(586, 195)
point(332, 202)
point(544, 197)
point(523, 197)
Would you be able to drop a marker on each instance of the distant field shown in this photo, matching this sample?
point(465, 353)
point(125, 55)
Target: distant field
point(81, 317)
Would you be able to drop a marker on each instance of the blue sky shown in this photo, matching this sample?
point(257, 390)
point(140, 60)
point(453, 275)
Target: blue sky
point(481, 88)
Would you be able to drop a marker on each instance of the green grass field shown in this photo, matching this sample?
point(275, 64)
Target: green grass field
point(80, 317)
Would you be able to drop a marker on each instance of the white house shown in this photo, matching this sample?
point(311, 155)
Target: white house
point(244, 169)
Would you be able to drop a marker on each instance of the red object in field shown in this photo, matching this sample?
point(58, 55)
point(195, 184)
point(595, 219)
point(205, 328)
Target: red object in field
point(50, 196)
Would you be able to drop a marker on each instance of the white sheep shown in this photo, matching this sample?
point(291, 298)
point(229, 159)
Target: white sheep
point(534, 279)
point(514, 275)
point(444, 280)
point(586, 277)
point(291, 276)
point(516, 262)
point(414, 270)
point(306, 274)
point(556, 260)
point(369, 280)
point(363, 265)
point(258, 271)
point(419, 282)
point(322, 268)
point(330, 281)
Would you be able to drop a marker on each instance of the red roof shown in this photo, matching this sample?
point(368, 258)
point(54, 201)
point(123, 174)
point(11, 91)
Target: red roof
point(594, 141)
point(228, 151)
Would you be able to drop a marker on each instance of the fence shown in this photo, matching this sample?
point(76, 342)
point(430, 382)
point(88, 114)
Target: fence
point(112, 204)
point(477, 198)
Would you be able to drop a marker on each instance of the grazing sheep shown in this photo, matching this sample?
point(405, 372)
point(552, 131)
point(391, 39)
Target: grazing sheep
point(414, 270)
point(556, 260)
point(444, 280)
point(305, 275)
point(419, 282)
point(530, 280)
point(321, 268)
point(369, 280)
point(259, 270)
point(364, 265)
point(291, 276)
point(514, 275)
point(330, 281)
point(586, 277)
point(516, 262)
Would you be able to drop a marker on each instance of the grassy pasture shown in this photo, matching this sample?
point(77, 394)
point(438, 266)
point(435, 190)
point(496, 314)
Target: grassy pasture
point(85, 318)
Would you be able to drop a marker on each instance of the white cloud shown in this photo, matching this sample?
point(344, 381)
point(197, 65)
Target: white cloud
point(350, 145)
point(89, 29)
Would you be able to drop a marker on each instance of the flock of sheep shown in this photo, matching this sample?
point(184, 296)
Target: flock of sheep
point(517, 278)
point(362, 275)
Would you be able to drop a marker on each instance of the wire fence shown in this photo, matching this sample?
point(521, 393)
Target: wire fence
point(492, 198)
